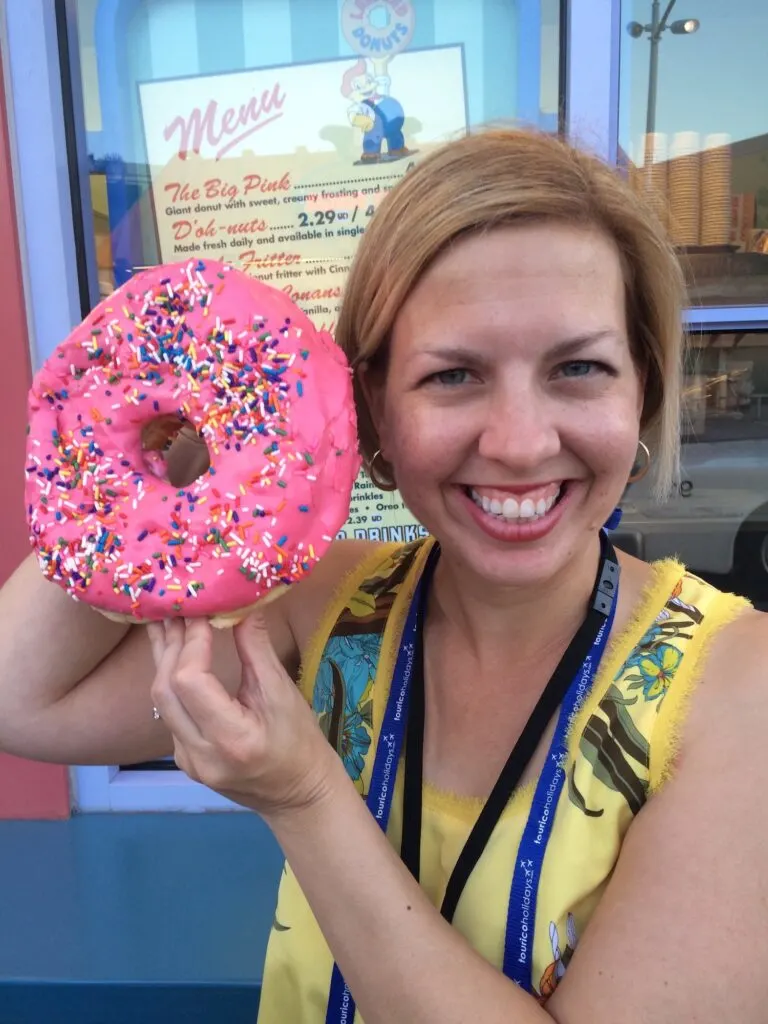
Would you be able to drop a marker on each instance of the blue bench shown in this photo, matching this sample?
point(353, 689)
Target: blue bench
point(135, 918)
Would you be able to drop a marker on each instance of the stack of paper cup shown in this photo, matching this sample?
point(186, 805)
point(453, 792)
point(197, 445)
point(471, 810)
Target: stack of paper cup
point(685, 188)
point(655, 174)
point(716, 190)
point(634, 173)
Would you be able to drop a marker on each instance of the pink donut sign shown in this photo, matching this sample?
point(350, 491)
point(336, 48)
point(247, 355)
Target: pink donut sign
point(378, 28)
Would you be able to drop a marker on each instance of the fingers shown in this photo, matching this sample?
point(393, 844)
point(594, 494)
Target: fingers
point(156, 634)
point(195, 655)
point(196, 691)
point(244, 748)
point(254, 645)
point(264, 677)
point(167, 642)
point(210, 727)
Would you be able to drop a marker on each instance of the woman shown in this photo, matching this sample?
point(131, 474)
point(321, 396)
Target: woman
point(513, 316)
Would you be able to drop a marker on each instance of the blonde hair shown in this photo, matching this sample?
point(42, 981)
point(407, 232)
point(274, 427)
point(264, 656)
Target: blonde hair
point(499, 178)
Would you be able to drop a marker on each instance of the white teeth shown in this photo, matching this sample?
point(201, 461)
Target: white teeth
point(511, 509)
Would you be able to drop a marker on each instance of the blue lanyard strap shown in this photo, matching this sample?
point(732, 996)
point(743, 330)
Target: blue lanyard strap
point(576, 672)
point(521, 914)
point(341, 1006)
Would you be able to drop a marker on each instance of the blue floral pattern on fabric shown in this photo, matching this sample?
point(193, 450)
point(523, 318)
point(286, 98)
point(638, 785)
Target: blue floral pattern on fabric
point(346, 675)
point(356, 657)
point(341, 696)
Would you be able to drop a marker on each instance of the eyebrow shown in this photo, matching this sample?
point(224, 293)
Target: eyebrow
point(563, 349)
point(579, 341)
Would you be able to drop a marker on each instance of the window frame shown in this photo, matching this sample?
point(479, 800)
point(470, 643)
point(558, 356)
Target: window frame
point(47, 115)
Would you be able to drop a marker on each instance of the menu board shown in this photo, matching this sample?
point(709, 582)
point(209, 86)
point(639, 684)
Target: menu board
point(278, 170)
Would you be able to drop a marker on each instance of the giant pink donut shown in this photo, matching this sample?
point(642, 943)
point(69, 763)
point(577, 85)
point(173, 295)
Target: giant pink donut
point(270, 395)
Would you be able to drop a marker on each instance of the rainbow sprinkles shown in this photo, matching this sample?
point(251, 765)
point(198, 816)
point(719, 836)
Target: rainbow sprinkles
point(202, 344)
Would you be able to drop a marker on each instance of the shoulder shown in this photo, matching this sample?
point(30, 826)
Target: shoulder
point(305, 604)
point(295, 618)
point(657, 592)
point(721, 736)
point(740, 650)
point(733, 677)
point(685, 652)
point(690, 886)
point(725, 683)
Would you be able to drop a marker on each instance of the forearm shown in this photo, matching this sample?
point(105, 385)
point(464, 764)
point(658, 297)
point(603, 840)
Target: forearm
point(400, 958)
point(48, 643)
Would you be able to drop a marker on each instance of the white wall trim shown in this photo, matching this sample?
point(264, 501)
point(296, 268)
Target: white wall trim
point(109, 789)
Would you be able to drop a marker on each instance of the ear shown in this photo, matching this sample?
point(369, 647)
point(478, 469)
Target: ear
point(371, 381)
point(642, 384)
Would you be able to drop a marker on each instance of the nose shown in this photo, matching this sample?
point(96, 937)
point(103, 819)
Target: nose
point(520, 428)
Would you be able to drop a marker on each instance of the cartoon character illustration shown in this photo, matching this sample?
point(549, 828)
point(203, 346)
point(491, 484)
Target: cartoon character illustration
point(554, 973)
point(378, 114)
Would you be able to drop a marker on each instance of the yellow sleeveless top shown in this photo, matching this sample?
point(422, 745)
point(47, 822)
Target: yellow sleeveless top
point(621, 750)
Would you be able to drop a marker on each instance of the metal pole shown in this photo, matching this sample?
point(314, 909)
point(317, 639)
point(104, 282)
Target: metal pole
point(657, 27)
point(653, 69)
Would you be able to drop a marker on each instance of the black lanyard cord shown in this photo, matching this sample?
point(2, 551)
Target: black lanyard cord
point(572, 660)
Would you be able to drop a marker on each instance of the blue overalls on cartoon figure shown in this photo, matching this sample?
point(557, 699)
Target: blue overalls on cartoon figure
point(388, 120)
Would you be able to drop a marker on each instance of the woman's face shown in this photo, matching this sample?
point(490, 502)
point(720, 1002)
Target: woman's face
point(511, 405)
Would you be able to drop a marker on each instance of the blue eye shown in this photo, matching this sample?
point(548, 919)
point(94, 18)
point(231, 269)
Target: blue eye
point(452, 377)
point(584, 368)
point(578, 368)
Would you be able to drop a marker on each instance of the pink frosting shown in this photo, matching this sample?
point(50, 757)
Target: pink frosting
point(270, 395)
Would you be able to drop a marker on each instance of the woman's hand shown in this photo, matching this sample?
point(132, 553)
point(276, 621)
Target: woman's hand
point(261, 748)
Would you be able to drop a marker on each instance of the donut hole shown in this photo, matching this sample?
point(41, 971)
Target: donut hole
point(173, 449)
point(187, 457)
point(379, 16)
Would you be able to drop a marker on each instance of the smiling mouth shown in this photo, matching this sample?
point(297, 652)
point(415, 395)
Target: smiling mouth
point(518, 509)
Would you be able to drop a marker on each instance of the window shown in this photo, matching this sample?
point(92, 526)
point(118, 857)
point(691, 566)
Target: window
point(167, 78)
point(253, 131)
point(694, 137)
point(247, 130)
point(717, 520)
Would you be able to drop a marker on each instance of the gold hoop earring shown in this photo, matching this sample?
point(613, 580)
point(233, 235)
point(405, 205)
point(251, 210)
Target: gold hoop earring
point(383, 483)
point(645, 466)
